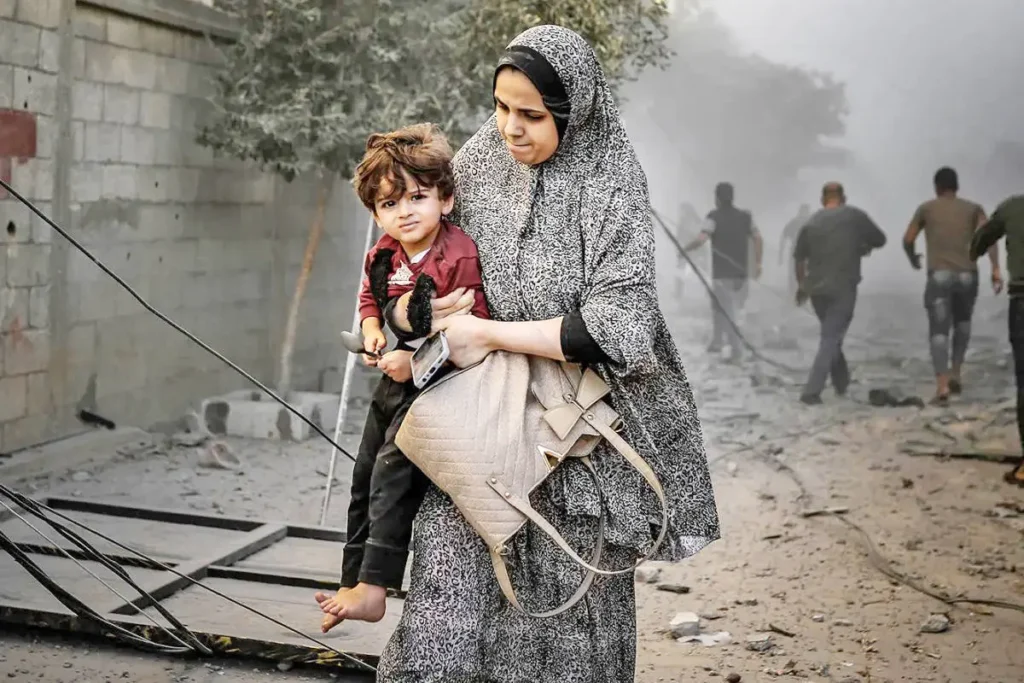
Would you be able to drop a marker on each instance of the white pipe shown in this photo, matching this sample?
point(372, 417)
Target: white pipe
point(346, 387)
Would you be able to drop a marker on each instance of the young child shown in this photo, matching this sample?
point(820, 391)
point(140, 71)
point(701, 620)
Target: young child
point(405, 179)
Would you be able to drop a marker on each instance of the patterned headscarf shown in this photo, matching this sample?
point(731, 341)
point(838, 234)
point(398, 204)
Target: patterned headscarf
point(574, 233)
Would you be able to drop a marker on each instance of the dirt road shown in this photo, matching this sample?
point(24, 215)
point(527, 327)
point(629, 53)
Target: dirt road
point(801, 598)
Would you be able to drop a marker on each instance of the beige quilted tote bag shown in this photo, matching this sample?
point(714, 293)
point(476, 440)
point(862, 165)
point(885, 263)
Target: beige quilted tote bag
point(490, 434)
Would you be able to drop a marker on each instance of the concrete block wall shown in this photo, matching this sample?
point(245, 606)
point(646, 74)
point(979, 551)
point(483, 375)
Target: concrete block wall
point(212, 243)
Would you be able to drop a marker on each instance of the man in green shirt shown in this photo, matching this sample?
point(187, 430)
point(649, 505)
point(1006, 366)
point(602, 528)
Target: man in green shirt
point(1008, 221)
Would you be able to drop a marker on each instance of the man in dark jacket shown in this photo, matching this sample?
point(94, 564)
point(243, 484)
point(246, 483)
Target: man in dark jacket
point(1008, 221)
point(827, 267)
point(731, 232)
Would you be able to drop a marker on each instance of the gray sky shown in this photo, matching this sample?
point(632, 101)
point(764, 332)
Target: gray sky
point(932, 82)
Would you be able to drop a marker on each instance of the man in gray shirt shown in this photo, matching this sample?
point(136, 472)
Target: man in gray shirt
point(827, 266)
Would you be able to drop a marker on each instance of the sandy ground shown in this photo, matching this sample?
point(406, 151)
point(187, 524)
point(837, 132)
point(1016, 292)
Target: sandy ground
point(950, 525)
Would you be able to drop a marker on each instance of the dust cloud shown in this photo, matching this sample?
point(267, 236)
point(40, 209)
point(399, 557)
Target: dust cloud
point(929, 83)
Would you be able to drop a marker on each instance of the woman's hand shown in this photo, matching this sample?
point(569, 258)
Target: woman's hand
point(469, 338)
point(397, 365)
point(458, 302)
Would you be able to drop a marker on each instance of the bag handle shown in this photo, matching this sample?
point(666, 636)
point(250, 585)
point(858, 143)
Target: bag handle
point(505, 581)
point(523, 506)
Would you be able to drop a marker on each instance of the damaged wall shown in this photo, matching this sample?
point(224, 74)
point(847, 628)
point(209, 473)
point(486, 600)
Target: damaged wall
point(113, 91)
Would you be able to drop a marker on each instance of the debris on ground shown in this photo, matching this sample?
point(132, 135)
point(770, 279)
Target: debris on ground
point(647, 574)
point(935, 623)
point(218, 455)
point(676, 588)
point(685, 624)
point(760, 642)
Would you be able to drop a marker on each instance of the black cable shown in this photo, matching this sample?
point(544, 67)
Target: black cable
point(92, 553)
point(718, 304)
point(14, 495)
point(145, 304)
point(79, 607)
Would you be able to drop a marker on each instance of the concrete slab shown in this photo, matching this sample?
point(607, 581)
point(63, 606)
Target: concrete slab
point(255, 414)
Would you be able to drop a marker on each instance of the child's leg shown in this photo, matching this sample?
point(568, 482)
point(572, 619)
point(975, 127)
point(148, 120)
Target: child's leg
point(378, 418)
point(397, 489)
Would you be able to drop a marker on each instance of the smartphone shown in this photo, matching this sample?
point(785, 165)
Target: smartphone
point(428, 359)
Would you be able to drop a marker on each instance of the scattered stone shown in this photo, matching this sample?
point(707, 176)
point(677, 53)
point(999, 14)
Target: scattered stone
point(80, 477)
point(284, 666)
point(732, 468)
point(685, 624)
point(820, 618)
point(760, 642)
point(733, 678)
point(842, 622)
point(711, 616)
point(850, 679)
point(676, 588)
point(218, 454)
point(647, 574)
point(747, 602)
point(708, 639)
point(935, 623)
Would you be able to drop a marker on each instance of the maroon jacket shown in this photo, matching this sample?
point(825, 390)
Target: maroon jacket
point(452, 262)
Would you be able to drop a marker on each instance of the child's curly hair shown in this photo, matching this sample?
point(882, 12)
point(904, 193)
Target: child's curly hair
point(421, 150)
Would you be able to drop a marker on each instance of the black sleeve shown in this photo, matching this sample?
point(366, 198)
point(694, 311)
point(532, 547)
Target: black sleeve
point(400, 334)
point(800, 248)
point(987, 235)
point(873, 235)
point(577, 344)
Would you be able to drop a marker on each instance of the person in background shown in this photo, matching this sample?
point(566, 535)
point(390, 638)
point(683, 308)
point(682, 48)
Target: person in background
point(1008, 221)
point(948, 222)
point(788, 240)
point(688, 224)
point(731, 231)
point(826, 262)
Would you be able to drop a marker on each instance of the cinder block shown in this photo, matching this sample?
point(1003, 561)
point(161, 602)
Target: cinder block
point(102, 142)
point(255, 415)
point(7, 8)
point(155, 110)
point(87, 101)
point(28, 265)
point(42, 233)
point(120, 105)
point(45, 13)
point(49, 51)
point(108, 63)
point(91, 23)
point(158, 39)
point(13, 398)
point(119, 182)
point(138, 146)
point(35, 91)
point(6, 86)
point(86, 183)
point(142, 71)
point(39, 307)
point(14, 307)
point(172, 75)
point(26, 352)
point(20, 43)
point(27, 431)
point(17, 214)
point(124, 31)
point(38, 399)
point(78, 140)
point(46, 136)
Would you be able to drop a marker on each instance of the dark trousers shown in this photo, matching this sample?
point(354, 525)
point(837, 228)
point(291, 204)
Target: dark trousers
point(835, 312)
point(1017, 344)
point(949, 297)
point(387, 490)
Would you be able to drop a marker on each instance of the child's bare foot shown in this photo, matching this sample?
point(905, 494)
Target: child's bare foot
point(326, 602)
point(362, 603)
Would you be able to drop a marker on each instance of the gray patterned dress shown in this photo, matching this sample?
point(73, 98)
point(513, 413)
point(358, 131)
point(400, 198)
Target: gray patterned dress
point(573, 233)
